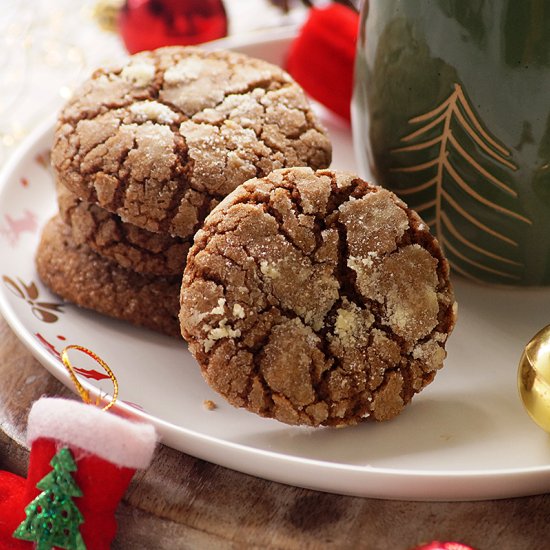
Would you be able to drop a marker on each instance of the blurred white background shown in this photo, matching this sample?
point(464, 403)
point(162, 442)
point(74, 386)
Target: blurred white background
point(48, 46)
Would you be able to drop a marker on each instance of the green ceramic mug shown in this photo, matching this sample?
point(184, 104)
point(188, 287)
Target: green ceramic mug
point(451, 111)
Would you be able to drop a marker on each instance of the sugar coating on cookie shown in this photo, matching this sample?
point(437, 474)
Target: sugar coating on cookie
point(79, 275)
point(161, 140)
point(126, 244)
point(316, 298)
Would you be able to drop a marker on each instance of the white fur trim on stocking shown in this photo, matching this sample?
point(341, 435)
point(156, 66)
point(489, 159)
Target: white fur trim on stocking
point(110, 437)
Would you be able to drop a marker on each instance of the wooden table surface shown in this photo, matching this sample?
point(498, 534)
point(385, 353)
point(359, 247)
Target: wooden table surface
point(184, 502)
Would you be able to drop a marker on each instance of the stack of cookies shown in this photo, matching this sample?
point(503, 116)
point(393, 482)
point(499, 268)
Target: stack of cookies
point(308, 295)
point(144, 152)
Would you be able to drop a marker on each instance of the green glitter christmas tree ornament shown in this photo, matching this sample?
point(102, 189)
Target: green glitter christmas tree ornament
point(81, 462)
point(53, 519)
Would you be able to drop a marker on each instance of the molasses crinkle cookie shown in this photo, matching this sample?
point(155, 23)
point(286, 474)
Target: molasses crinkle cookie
point(161, 140)
point(129, 246)
point(316, 298)
point(79, 275)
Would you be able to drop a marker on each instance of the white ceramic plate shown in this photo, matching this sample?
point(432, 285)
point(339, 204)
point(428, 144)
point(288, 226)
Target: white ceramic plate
point(465, 437)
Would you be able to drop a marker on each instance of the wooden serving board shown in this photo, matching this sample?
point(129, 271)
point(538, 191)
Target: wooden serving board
point(184, 502)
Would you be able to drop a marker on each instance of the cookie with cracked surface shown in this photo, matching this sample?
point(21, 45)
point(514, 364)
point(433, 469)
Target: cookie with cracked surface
point(128, 245)
point(88, 280)
point(316, 298)
point(160, 140)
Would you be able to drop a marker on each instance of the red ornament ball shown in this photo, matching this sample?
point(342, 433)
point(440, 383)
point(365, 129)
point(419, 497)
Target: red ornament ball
point(150, 24)
point(437, 545)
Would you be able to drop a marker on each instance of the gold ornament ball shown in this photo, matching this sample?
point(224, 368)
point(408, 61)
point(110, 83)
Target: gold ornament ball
point(534, 378)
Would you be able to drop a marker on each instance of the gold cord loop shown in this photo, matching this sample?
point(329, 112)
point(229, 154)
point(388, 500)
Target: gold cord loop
point(83, 392)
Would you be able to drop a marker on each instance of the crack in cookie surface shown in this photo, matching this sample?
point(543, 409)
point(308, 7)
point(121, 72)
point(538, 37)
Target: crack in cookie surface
point(334, 282)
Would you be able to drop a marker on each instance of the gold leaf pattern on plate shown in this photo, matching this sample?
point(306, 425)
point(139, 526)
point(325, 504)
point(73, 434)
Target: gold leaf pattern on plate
point(43, 311)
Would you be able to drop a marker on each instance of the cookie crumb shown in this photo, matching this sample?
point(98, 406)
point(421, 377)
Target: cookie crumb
point(209, 405)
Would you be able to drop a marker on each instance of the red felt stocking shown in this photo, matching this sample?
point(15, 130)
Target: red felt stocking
point(86, 483)
point(12, 488)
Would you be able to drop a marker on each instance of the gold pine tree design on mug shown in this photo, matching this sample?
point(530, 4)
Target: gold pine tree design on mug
point(437, 185)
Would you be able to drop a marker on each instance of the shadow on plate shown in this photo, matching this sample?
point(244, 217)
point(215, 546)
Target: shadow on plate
point(429, 425)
